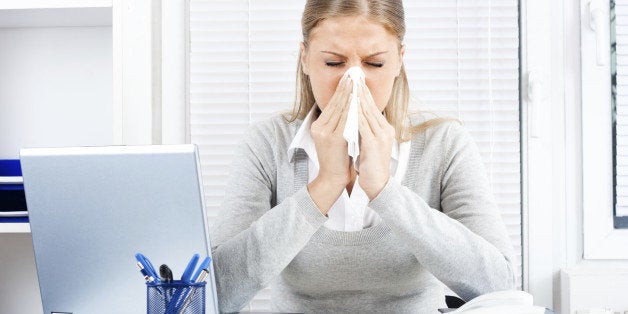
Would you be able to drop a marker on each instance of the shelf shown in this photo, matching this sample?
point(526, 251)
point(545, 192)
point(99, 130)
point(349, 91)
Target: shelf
point(11, 180)
point(20, 227)
point(54, 4)
point(55, 14)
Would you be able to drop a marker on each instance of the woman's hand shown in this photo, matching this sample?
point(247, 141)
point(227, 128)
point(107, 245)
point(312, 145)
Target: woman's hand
point(333, 158)
point(376, 139)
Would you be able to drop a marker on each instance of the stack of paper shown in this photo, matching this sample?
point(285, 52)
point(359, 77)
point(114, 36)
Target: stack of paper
point(512, 302)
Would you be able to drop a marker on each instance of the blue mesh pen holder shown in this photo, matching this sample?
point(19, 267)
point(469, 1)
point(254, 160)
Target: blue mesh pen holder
point(177, 297)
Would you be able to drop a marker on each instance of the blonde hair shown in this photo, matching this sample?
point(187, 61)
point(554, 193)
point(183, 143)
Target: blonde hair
point(390, 14)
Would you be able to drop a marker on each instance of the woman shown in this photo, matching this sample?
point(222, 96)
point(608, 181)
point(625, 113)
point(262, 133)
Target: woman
point(298, 216)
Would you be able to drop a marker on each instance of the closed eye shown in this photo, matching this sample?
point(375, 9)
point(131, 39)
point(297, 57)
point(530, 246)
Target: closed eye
point(375, 64)
point(334, 63)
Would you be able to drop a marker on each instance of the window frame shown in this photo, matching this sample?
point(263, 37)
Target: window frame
point(620, 222)
point(601, 239)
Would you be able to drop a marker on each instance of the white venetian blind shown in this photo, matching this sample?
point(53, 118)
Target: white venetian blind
point(461, 59)
point(621, 107)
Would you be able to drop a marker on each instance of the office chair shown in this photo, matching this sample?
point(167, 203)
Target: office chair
point(453, 302)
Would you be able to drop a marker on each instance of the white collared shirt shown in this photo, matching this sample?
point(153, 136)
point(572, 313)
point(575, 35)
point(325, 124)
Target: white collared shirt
point(349, 213)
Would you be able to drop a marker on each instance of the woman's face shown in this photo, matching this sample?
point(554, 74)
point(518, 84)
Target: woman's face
point(337, 44)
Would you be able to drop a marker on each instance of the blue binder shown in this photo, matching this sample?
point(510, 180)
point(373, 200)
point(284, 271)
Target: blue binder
point(12, 198)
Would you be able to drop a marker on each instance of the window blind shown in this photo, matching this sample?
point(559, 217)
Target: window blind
point(461, 58)
point(621, 107)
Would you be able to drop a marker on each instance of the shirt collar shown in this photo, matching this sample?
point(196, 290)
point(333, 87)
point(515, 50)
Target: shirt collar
point(303, 138)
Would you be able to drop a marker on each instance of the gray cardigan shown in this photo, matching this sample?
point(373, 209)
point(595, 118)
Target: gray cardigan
point(439, 226)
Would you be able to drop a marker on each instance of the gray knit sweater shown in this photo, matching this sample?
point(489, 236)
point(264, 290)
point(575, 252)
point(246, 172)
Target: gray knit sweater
point(439, 226)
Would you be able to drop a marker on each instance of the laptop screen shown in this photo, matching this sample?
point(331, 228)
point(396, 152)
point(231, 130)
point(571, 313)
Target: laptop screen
point(93, 208)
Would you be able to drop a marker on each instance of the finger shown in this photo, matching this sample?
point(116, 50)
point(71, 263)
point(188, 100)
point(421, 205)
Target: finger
point(337, 102)
point(342, 122)
point(370, 117)
point(371, 110)
point(364, 127)
point(341, 114)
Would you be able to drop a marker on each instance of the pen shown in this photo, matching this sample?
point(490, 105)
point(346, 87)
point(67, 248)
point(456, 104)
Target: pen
point(202, 276)
point(147, 277)
point(165, 273)
point(141, 260)
point(187, 274)
point(148, 266)
point(186, 278)
point(204, 264)
point(166, 277)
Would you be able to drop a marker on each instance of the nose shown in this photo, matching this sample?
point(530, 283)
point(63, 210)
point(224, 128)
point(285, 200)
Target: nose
point(358, 64)
point(355, 63)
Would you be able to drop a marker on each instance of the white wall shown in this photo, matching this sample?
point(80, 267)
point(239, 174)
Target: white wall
point(55, 87)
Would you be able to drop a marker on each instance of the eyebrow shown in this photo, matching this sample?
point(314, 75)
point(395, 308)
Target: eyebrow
point(342, 56)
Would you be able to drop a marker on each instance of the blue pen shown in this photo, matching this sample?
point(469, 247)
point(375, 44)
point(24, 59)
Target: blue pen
point(148, 266)
point(203, 265)
point(146, 275)
point(180, 294)
point(187, 274)
point(186, 277)
point(202, 270)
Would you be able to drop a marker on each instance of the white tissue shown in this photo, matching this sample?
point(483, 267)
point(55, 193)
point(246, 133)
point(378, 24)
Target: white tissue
point(351, 134)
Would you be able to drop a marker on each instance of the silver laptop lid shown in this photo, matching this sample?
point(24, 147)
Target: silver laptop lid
point(92, 208)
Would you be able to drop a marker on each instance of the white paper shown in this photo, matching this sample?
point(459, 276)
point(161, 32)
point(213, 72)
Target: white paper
point(498, 302)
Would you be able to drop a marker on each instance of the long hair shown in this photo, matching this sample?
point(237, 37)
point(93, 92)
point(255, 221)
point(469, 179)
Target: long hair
point(390, 14)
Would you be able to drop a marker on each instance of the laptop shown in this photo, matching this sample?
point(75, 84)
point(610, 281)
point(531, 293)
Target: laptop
point(91, 209)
